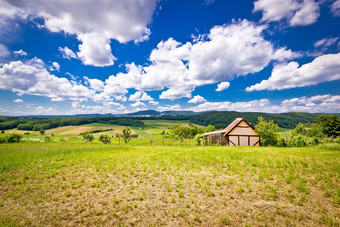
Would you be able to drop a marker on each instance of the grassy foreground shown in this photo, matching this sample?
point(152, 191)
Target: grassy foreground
point(90, 184)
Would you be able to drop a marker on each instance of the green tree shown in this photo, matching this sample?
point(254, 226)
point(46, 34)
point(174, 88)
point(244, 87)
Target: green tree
point(210, 128)
point(126, 134)
point(105, 139)
point(267, 131)
point(329, 124)
point(42, 131)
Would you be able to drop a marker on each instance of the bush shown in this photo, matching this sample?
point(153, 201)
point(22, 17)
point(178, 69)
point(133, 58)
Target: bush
point(267, 132)
point(2, 131)
point(126, 134)
point(42, 131)
point(14, 138)
point(88, 137)
point(47, 139)
point(105, 139)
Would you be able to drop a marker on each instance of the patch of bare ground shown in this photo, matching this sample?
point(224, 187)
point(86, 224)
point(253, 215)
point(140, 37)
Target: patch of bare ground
point(55, 130)
point(81, 129)
point(81, 193)
point(149, 131)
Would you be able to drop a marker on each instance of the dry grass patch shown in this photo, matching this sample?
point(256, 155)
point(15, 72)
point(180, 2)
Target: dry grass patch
point(130, 185)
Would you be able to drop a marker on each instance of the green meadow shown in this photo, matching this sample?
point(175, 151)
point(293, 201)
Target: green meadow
point(77, 183)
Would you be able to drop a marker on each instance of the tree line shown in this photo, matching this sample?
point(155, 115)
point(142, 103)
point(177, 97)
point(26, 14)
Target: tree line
point(36, 124)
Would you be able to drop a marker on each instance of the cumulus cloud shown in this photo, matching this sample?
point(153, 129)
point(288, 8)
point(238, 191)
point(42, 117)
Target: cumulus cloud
point(197, 99)
point(285, 76)
point(67, 53)
point(55, 66)
point(20, 53)
point(18, 100)
point(222, 86)
point(140, 96)
point(237, 49)
point(138, 105)
point(95, 84)
point(153, 103)
point(296, 12)
point(315, 104)
point(94, 22)
point(32, 78)
point(335, 8)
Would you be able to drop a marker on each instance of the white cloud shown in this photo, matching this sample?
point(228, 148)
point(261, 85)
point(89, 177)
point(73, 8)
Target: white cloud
point(153, 103)
point(140, 96)
point(95, 84)
point(95, 50)
point(175, 107)
point(296, 12)
point(222, 86)
point(335, 8)
point(197, 99)
point(326, 42)
point(138, 105)
point(94, 22)
point(18, 100)
point(315, 104)
point(55, 66)
point(67, 53)
point(20, 53)
point(285, 76)
point(227, 51)
point(32, 78)
point(3, 51)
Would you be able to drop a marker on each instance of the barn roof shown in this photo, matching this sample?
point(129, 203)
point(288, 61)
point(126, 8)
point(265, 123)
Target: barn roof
point(227, 129)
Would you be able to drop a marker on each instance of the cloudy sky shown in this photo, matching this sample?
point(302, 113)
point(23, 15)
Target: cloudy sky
point(85, 56)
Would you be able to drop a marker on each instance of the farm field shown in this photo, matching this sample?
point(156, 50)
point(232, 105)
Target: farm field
point(44, 184)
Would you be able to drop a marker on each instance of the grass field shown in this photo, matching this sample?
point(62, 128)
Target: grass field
point(48, 184)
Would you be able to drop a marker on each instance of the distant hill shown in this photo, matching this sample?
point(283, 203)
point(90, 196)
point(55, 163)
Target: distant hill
point(143, 113)
point(221, 119)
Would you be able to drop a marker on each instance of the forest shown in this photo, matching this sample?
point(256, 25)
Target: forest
point(219, 119)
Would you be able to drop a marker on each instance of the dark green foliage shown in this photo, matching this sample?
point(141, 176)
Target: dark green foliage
point(42, 131)
point(105, 139)
point(267, 132)
point(36, 124)
point(126, 134)
point(221, 119)
point(88, 137)
point(180, 131)
point(329, 124)
point(210, 128)
point(13, 138)
point(2, 131)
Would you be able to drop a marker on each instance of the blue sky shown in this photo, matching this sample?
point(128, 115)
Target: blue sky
point(78, 57)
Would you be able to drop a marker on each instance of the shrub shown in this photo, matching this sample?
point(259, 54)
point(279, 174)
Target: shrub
point(88, 137)
point(126, 134)
point(42, 131)
point(105, 139)
point(267, 132)
point(47, 139)
point(14, 138)
point(2, 131)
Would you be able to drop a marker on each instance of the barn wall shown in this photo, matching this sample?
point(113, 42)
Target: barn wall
point(253, 140)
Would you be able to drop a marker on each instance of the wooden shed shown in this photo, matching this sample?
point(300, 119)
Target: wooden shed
point(238, 133)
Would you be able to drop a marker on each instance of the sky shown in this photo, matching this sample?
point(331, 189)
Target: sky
point(84, 57)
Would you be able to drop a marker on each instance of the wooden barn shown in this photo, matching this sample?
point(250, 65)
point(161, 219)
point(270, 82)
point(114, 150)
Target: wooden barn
point(238, 133)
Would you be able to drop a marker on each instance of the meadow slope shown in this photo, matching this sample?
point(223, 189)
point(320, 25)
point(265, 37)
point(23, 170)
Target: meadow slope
point(93, 184)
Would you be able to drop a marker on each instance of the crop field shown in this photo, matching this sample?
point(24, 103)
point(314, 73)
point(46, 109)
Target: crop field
point(71, 184)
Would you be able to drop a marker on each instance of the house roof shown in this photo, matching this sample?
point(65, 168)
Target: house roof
point(228, 129)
